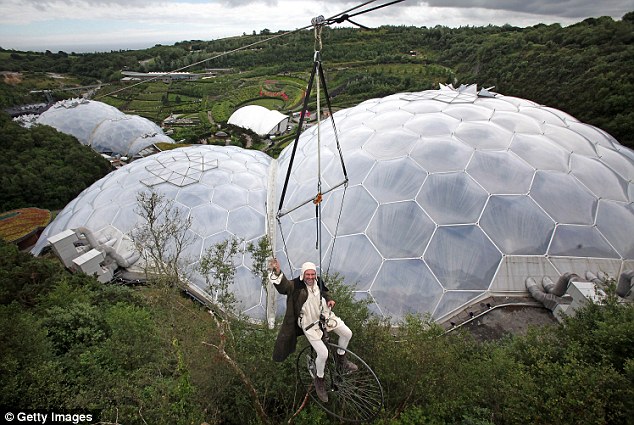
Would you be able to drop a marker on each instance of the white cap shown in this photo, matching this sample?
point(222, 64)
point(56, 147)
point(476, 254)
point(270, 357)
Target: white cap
point(307, 266)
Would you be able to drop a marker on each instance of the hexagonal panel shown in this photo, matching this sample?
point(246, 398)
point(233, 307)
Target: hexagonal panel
point(467, 112)
point(302, 243)
point(193, 248)
point(452, 198)
point(126, 219)
point(354, 138)
point(216, 238)
point(563, 198)
point(502, 103)
point(517, 225)
point(621, 164)
point(358, 208)
point(208, 219)
point(246, 223)
point(299, 201)
point(102, 217)
point(543, 115)
point(516, 123)
point(215, 177)
point(602, 181)
point(569, 140)
point(395, 180)
point(80, 217)
point(356, 259)
point(306, 169)
point(248, 180)
point(595, 135)
point(230, 196)
point(354, 119)
point(500, 172)
point(612, 220)
point(483, 135)
point(462, 257)
point(251, 293)
point(441, 154)
point(390, 144)
point(195, 196)
point(580, 241)
point(358, 165)
point(454, 300)
point(540, 152)
point(430, 125)
point(106, 197)
point(400, 230)
point(405, 286)
point(257, 200)
point(387, 120)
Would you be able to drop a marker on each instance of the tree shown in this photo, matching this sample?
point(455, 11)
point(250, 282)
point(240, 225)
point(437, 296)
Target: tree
point(43, 167)
point(218, 267)
point(162, 239)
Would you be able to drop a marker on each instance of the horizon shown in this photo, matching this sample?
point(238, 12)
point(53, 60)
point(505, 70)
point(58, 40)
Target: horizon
point(97, 26)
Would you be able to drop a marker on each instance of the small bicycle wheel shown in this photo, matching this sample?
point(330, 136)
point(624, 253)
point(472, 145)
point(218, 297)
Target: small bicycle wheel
point(352, 397)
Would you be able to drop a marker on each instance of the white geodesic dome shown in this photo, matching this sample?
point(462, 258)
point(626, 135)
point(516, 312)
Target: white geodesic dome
point(456, 195)
point(453, 196)
point(223, 189)
point(103, 127)
point(78, 117)
point(126, 135)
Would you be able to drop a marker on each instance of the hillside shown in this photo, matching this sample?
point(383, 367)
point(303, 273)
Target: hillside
point(586, 69)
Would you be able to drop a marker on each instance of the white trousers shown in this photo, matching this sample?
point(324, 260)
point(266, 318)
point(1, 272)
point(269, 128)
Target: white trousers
point(345, 334)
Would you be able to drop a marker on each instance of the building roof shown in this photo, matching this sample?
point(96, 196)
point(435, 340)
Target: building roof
point(257, 119)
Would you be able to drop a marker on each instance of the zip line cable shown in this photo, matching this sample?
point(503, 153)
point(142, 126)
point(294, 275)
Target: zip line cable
point(345, 17)
point(318, 24)
point(337, 18)
point(205, 60)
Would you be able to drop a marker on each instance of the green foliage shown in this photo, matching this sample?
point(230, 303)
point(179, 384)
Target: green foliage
point(44, 168)
point(78, 344)
point(136, 354)
point(585, 69)
point(218, 267)
point(74, 325)
point(24, 278)
point(260, 252)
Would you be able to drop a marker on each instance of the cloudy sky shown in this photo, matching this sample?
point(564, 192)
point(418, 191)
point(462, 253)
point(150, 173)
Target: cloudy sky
point(104, 25)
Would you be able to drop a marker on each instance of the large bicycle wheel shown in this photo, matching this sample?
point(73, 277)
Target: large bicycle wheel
point(352, 397)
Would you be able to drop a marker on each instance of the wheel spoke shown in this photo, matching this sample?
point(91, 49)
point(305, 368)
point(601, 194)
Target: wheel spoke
point(353, 396)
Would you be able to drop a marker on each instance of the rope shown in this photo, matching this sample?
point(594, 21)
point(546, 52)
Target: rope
point(297, 134)
point(318, 24)
point(279, 226)
point(334, 237)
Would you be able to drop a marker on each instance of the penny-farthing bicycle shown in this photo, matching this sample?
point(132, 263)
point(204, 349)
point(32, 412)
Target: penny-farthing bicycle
point(355, 397)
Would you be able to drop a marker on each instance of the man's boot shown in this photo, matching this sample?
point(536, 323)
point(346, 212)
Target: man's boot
point(320, 389)
point(346, 365)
